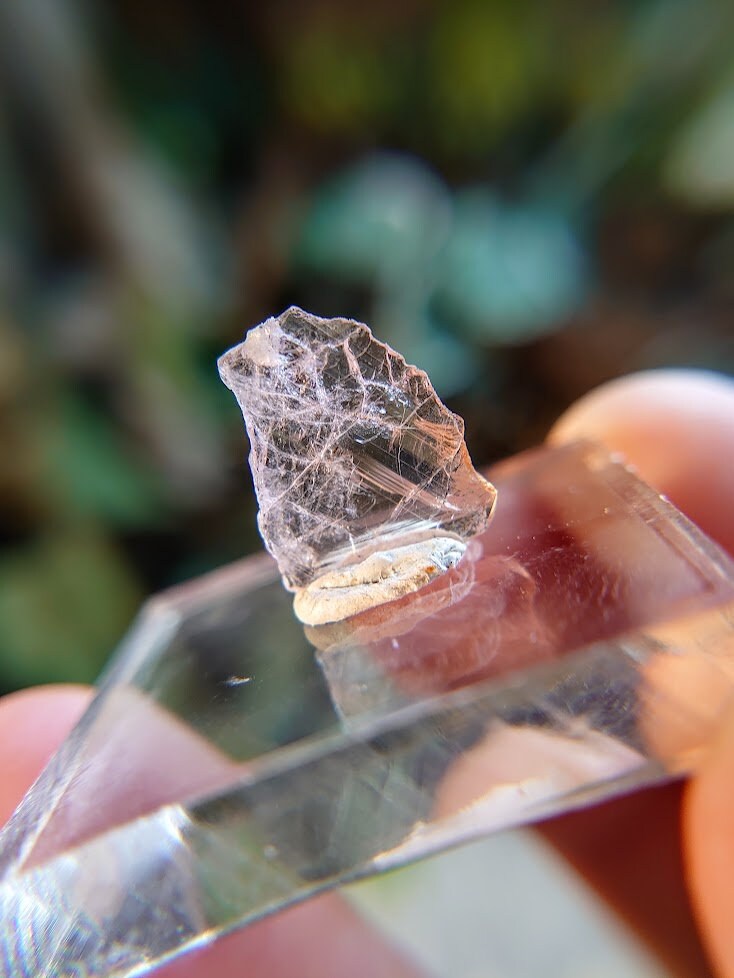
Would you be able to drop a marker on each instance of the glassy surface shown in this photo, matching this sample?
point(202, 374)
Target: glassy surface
point(351, 450)
point(235, 761)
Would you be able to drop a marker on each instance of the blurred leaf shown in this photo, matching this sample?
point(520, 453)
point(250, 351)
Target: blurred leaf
point(509, 273)
point(591, 73)
point(180, 102)
point(486, 63)
point(337, 78)
point(654, 52)
point(91, 471)
point(64, 603)
point(384, 216)
point(700, 167)
point(13, 361)
point(175, 396)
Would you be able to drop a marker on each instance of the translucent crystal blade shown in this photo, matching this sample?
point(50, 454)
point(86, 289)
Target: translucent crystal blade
point(235, 762)
point(351, 449)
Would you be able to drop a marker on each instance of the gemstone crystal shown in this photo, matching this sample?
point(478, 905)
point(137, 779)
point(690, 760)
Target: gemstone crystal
point(365, 487)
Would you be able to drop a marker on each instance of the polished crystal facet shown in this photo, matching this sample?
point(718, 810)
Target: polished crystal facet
point(235, 762)
point(353, 455)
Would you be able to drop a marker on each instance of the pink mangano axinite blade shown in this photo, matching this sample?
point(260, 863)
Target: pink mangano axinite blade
point(352, 454)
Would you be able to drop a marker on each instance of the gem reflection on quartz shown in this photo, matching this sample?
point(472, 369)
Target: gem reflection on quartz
point(365, 487)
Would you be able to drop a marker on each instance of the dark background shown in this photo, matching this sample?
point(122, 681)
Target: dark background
point(526, 199)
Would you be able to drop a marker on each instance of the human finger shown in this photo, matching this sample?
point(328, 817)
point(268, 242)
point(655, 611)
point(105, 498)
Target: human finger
point(677, 429)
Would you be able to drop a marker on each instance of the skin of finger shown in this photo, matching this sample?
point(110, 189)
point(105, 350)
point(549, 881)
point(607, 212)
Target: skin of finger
point(33, 722)
point(709, 834)
point(677, 429)
point(322, 937)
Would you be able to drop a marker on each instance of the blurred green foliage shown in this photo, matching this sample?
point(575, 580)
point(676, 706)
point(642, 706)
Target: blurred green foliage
point(526, 199)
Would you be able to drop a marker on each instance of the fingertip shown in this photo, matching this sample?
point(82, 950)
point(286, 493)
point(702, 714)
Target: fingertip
point(677, 428)
point(33, 723)
point(321, 938)
point(709, 848)
point(627, 407)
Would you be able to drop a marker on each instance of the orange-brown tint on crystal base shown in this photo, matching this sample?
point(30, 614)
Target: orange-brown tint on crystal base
point(235, 762)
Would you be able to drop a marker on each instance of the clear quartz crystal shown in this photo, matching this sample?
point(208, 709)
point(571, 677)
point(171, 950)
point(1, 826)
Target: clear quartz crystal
point(235, 762)
point(352, 454)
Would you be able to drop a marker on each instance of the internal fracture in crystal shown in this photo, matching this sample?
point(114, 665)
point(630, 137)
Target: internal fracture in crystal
point(365, 487)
